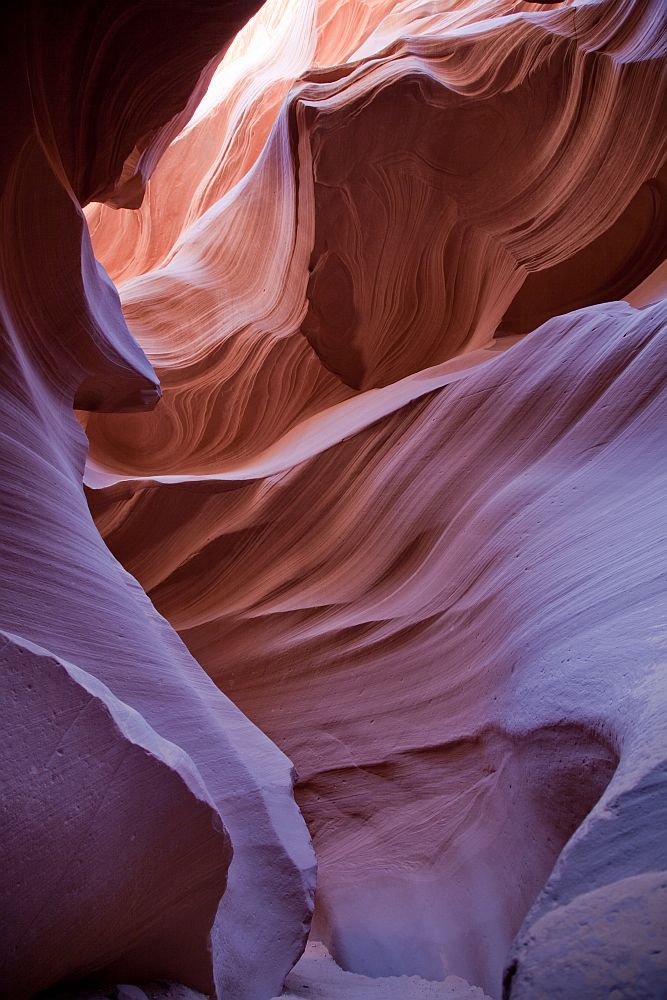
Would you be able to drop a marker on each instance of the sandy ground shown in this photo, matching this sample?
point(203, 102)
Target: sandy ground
point(317, 977)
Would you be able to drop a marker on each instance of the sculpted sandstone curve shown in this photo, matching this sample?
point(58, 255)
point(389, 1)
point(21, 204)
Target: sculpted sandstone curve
point(367, 493)
point(473, 671)
point(130, 864)
point(375, 430)
point(399, 207)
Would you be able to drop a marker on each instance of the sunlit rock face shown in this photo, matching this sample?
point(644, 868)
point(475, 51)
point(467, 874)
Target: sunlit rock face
point(376, 428)
point(426, 188)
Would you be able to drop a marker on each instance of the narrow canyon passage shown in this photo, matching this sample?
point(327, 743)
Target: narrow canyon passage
point(333, 548)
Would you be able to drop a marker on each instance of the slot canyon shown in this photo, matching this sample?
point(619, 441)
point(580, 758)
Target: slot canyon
point(333, 500)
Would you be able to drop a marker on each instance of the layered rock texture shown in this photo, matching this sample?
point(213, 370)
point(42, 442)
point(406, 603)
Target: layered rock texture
point(375, 484)
point(148, 828)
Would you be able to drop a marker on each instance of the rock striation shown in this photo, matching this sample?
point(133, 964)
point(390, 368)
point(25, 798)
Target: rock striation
point(464, 696)
point(130, 783)
point(407, 209)
point(367, 493)
point(373, 433)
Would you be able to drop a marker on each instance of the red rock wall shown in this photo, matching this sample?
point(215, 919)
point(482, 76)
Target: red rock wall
point(401, 496)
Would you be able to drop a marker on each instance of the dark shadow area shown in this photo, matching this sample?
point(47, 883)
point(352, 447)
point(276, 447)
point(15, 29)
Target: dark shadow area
point(607, 269)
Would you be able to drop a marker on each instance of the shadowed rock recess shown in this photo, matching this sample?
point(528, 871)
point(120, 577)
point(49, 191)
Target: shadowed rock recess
point(333, 500)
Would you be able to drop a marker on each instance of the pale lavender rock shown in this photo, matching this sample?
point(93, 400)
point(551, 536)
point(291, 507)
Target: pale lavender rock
point(114, 857)
point(64, 592)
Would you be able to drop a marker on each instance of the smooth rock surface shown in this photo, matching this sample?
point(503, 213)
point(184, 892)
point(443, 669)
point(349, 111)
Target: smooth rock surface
point(94, 884)
point(374, 432)
point(608, 942)
point(85, 772)
point(379, 491)
point(511, 568)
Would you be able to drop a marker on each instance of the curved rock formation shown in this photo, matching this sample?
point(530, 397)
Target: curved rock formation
point(129, 864)
point(350, 503)
point(437, 675)
point(610, 939)
point(400, 499)
point(356, 252)
point(90, 783)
